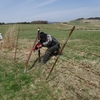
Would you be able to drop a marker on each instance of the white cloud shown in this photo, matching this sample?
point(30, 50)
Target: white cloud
point(30, 10)
point(45, 3)
point(66, 15)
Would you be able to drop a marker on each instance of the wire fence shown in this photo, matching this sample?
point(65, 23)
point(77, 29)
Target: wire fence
point(16, 48)
point(68, 74)
point(17, 51)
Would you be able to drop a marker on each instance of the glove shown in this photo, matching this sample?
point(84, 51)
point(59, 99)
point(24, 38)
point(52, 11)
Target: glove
point(37, 46)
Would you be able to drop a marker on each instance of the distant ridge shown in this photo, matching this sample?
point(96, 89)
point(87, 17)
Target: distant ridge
point(91, 18)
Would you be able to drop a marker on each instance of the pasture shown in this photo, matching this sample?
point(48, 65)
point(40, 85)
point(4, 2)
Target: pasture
point(76, 75)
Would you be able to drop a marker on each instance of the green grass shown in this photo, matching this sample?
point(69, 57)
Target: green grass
point(78, 57)
point(17, 85)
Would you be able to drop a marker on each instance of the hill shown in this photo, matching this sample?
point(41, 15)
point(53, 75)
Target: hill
point(91, 18)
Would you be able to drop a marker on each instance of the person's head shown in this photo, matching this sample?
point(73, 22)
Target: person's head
point(43, 36)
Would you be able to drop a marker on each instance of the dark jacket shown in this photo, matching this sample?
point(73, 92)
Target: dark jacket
point(47, 40)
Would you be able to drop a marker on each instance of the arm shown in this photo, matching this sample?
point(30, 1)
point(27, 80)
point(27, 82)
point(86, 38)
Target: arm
point(38, 46)
point(49, 40)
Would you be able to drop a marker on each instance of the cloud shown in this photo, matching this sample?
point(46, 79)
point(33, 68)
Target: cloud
point(30, 10)
point(67, 15)
point(45, 3)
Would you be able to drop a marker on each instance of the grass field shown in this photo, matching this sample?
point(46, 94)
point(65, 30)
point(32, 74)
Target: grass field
point(76, 75)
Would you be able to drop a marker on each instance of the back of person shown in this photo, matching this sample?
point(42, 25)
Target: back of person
point(47, 40)
point(51, 43)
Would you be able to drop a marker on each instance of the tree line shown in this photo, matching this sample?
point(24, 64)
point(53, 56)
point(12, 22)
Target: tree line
point(33, 22)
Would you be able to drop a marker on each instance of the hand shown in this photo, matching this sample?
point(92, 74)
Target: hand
point(34, 49)
point(37, 46)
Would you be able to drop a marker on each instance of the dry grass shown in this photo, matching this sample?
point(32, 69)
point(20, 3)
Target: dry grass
point(76, 75)
point(10, 38)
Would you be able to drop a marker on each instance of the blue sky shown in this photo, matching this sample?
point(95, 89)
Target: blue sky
point(50, 10)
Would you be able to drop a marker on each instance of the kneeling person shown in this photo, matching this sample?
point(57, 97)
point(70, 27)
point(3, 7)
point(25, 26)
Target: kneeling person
point(53, 46)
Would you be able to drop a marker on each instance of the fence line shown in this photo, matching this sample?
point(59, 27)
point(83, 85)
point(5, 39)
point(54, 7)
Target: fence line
point(62, 72)
point(19, 30)
point(55, 29)
point(63, 29)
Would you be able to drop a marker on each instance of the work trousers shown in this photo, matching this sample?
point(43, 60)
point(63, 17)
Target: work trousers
point(52, 51)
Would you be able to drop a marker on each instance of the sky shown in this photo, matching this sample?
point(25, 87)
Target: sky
point(48, 10)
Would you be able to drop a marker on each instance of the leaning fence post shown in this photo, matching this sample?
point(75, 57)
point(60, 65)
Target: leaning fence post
point(60, 51)
point(16, 45)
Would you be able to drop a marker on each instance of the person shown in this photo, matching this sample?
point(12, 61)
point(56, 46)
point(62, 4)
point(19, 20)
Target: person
point(0, 36)
point(53, 46)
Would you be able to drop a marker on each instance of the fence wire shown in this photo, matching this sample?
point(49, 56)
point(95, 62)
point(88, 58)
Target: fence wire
point(69, 75)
